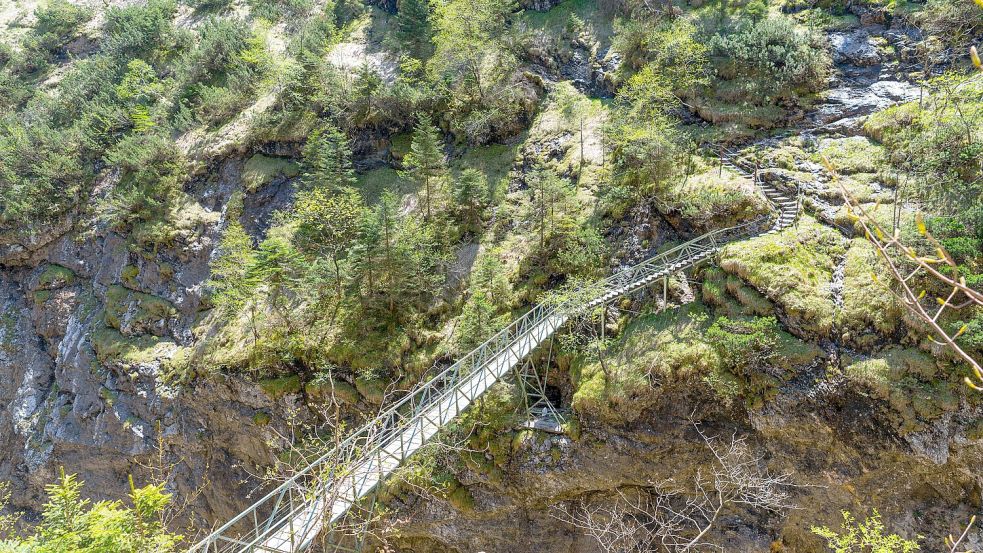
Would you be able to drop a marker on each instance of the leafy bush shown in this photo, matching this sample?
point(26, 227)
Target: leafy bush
point(869, 535)
point(71, 523)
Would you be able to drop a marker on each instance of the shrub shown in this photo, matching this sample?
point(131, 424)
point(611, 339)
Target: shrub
point(41, 172)
point(140, 31)
point(151, 173)
point(869, 535)
point(770, 58)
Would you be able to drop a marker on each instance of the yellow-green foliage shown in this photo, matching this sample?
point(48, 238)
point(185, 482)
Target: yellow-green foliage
point(72, 523)
point(912, 384)
point(260, 170)
point(793, 268)
point(278, 387)
point(870, 311)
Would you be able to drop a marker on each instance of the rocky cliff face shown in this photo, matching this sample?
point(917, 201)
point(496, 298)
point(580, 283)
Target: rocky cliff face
point(90, 333)
point(91, 329)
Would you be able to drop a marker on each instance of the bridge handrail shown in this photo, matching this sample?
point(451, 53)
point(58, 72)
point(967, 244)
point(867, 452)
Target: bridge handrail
point(621, 282)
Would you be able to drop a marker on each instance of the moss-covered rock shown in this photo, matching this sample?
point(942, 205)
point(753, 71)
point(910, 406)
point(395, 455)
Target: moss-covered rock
point(793, 268)
point(870, 312)
point(55, 276)
point(279, 387)
point(260, 170)
point(136, 313)
point(372, 388)
point(324, 388)
point(910, 382)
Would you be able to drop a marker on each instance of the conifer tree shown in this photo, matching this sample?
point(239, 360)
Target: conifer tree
point(328, 159)
point(471, 193)
point(425, 163)
point(413, 24)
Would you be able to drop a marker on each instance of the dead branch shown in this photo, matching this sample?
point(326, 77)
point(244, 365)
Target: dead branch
point(666, 518)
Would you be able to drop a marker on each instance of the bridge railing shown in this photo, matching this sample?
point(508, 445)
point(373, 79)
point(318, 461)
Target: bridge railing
point(299, 507)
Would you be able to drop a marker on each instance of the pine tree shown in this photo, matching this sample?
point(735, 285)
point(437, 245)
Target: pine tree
point(413, 27)
point(425, 163)
point(328, 159)
point(471, 193)
point(549, 198)
point(234, 255)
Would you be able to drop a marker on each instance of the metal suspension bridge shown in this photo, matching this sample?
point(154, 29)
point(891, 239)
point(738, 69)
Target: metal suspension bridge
point(292, 516)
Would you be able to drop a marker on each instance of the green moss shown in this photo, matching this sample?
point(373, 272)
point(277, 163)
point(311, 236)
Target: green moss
point(143, 312)
point(854, 154)
point(129, 276)
point(666, 347)
point(260, 170)
point(909, 382)
point(55, 276)
point(373, 389)
point(261, 418)
point(974, 430)
point(279, 387)
point(793, 268)
point(461, 499)
point(108, 396)
point(112, 347)
point(400, 144)
point(870, 311)
point(323, 388)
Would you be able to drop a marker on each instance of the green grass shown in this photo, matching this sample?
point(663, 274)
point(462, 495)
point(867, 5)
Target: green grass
point(494, 161)
point(373, 183)
point(854, 154)
point(713, 199)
